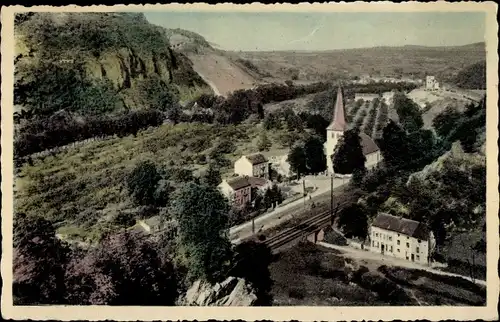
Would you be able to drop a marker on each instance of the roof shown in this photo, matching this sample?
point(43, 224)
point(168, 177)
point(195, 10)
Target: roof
point(256, 158)
point(257, 182)
point(238, 183)
point(338, 121)
point(401, 225)
point(367, 144)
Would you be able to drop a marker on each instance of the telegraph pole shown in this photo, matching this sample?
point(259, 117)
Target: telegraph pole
point(331, 199)
point(253, 226)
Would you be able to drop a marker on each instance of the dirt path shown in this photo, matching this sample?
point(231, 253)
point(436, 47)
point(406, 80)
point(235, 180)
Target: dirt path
point(387, 260)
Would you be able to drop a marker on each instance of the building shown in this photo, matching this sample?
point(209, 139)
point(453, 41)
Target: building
point(240, 190)
point(254, 165)
point(402, 238)
point(367, 97)
point(336, 130)
point(237, 190)
point(431, 83)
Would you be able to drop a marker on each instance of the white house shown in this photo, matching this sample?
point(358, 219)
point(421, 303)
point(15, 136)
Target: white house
point(431, 83)
point(254, 165)
point(336, 130)
point(402, 238)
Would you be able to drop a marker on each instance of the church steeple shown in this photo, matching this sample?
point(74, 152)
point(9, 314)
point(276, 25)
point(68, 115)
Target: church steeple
point(338, 121)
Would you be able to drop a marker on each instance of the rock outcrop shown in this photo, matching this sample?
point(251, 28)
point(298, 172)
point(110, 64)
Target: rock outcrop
point(231, 292)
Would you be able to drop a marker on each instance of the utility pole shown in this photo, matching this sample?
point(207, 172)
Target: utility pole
point(331, 199)
point(304, 191)
point(253, 226)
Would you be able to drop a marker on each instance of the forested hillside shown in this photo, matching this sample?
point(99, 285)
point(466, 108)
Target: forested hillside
point(96, 63)
point(472, 76)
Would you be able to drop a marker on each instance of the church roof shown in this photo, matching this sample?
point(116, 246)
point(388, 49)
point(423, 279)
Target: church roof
point(338, 121)
point(256, 158)
point(369, 146)
point(401, 225)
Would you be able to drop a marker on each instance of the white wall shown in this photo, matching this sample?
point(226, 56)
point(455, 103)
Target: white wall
point(332, 138)
point(373, 159)
point(406, 247)
point(243, 167)
point(226, 190)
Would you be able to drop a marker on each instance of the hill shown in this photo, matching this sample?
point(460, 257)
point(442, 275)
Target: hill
point(472, 76)
point(444, 62)
point(224, 71)
point(101, 59)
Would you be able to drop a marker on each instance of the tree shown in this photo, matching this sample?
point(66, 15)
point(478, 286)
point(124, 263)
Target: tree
point(276, 195)
point(251, 261)
point(212, 176)
point(394, 145)
point(293, 122)
point(409, 113)
point(315, 155)
point(142, 183)
point(263, 143)
point(124, 269)
point(348, 155)
point(445, 121)
point(271, 121)
point(297, 159)
point(354, 221)
point(39, 262)
point(202, 214)
point(268, 198)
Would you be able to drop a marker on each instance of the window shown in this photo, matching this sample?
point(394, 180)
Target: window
point(376, 234)
point(390, 238)
point(418, 250)
point(391, 249)
point(419, 241)
point(373, 243)
point(418, 257)
point(399, 235)
point(398, 250)
point(398, 242)
point(407, 237)
point(407, 245)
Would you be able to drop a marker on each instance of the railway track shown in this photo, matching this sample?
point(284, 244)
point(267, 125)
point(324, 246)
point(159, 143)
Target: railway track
point(303, 229)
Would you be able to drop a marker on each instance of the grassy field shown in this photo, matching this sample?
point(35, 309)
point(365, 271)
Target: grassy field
point(313, 275)
point(84, 187)
point(444, 62)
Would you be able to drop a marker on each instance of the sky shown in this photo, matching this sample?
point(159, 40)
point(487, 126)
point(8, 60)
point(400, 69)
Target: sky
point(268, 31)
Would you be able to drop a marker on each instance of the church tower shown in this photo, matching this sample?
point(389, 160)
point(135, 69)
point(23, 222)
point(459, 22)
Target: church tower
point(335, 130)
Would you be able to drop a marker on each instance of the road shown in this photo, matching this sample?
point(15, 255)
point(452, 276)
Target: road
point(392, 261)
point(282, 214)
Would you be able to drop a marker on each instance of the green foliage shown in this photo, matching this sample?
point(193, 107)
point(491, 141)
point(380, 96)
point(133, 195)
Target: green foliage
point(472, 76)
point(39, 263)
point(50, 87)
point(212, 176)
point(409, 113)
point(93, 33)
point(348, 155)
point(298, 160)
point(251, 261)
point(315, 155)
point(202, 215)
point(445, 121)
point(263, 144)
point(354, 221)
point(142, 183)
point(156, 93)
point(124, 269)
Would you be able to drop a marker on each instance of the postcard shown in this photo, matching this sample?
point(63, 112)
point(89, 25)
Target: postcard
point(332, 161)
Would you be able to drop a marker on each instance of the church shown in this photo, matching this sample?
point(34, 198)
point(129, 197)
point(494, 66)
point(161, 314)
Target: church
point(335, 131)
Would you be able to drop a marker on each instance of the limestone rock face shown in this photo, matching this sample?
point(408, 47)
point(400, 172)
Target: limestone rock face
point(231, 292)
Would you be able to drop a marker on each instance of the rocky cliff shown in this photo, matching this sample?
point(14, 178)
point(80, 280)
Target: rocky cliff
point(231, 292)
point(120, 49)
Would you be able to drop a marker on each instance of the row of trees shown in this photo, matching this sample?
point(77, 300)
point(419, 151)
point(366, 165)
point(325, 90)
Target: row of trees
point(64, 128)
